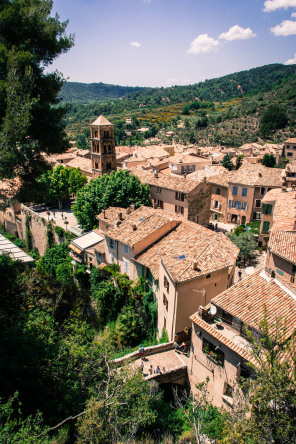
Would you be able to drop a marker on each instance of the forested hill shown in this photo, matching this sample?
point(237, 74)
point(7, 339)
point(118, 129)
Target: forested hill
point(94, 92)
point(239, 84)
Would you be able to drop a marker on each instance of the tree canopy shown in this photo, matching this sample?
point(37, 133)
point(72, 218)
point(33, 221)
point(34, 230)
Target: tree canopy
point(62, 181)
point(29, 122)
point(269, 160)
point(245, 242)
point(227, 162)
point(120, 189)
point(273, 118)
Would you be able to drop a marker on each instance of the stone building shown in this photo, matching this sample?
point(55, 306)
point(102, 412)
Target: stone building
point(178, 195)
point(184, 263)
point(290, 149)
point(103, 155)
point(220, 349)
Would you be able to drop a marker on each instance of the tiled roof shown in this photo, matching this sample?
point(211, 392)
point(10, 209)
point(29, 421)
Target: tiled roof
point(257, 175)
point(283, 244)
point(248, 299)
point(292, 140)
point(186, 158)
point(186, 244)
point(111, 214)
point(219, 336)
point(146, 220)
point(219, 179)
point(284, 211)
point(151, 152)
point(101, 121)
point(175, 183)
point(82, 163)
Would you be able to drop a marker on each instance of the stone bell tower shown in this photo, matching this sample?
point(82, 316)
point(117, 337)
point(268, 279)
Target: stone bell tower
point(103, 155)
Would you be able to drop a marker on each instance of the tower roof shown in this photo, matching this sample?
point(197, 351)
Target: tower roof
point(101, 121)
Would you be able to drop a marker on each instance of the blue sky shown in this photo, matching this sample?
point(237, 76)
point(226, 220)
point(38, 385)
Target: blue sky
point(173, 42)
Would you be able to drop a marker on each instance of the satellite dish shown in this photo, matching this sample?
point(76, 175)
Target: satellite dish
point(213, 310)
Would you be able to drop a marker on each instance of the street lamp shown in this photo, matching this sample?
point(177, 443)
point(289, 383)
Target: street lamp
point(66, 223)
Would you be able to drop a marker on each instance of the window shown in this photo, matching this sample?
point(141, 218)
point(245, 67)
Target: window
point(179, 196)
point(158, 190)
point(266, 226)
point(213, 352)
point(125, 266)
point(166, 283)
point(266, 209)
point(208, 276)
point(228, 390)
point(263, 191)
point(111, 258)
point(236, 204)
point(234, 191)
point(230, 203)
point(289, 154)
point(125, 249)
point(257, 203)
point(244, 192)
point(280, 272)
point(179, 209)
point(112, 243)
point(109, 148)
point(244, 206)
point(218, 191)
point(105, 149)
point(165, 301)
point(292, 280)
point(216, 204)
point(160, 204)
point(258, 216)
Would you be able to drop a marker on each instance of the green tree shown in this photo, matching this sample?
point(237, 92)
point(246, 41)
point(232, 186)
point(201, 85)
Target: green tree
point(269, 160)
point(239, 161)
point(63, 181)
point(245, 242)
point(273, 118)
point(121, 405)
point(227, 162)
point(120, 189)
point(30, 41)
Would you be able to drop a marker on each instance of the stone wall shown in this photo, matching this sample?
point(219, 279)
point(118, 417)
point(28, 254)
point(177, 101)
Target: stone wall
point(38, 227)
point(148, 351)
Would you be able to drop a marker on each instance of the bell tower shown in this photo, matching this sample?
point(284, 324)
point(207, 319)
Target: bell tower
point(103, 155)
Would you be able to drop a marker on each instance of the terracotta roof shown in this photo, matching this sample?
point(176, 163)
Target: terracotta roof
point(175, 183)
point(146, 220)
point(81, 162)
point(219, 336)
point(291, 140)
point(284, 211)
point(291, 167)
point(101, 121)
point(219, 179)
point(283, 244)
point(257, 175)
point(186, 244)
point(9, 188)
point(151, 152)
point(248, 299)
point(187, 158)
point(111, 214)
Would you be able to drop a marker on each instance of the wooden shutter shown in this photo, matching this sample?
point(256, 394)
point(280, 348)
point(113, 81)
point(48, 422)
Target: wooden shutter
point(182, 197)
point(182, 210)
point(176, 208)
point(161, 204)
point(269, 209)
point(176, 195)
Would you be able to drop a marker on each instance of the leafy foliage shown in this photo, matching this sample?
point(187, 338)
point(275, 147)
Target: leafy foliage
point(120, 189)
point(227, 162)
point(29, 122)
point(273, 118)
point(245, 242)
point(269, 160)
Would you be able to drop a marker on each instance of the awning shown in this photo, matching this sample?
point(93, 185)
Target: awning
point(76, 249)
point(76, 257)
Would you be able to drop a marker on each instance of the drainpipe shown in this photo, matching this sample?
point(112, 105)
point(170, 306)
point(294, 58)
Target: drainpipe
point(174, 315)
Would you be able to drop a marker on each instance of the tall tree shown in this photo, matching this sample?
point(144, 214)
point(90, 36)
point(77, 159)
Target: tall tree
point(120, 189)
point(227, 162)
point(29, 120)
point(269, 160)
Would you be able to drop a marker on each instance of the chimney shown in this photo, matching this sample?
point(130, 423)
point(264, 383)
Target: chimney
point(134, 227)
point(184, 175)
point(119, 215)
point(194, 265)
point(104, 214)
point(128, 211)
point(156, 175)
point(132, 207)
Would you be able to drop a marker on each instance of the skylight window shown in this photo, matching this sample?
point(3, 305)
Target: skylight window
point(142, 219)
point(182, 257)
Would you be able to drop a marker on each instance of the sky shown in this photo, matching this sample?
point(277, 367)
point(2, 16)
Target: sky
point(173, 42)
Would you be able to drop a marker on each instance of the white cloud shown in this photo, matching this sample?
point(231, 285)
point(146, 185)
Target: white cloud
point(287, 27)
point(203, 43)
point(136, 44)
point(237, 33)
point(291, 61)
point(273, 5)
point(293, 15)
point(171, 81)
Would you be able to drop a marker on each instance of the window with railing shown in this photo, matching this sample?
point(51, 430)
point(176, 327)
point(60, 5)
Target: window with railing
point(213, 352)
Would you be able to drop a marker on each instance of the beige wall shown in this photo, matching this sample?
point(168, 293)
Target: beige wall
point(290, 151)
point(240, 214)
point(202, 367)
point(185, 298)
point(276, 264)
point(219, 213)
point(188, 167)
